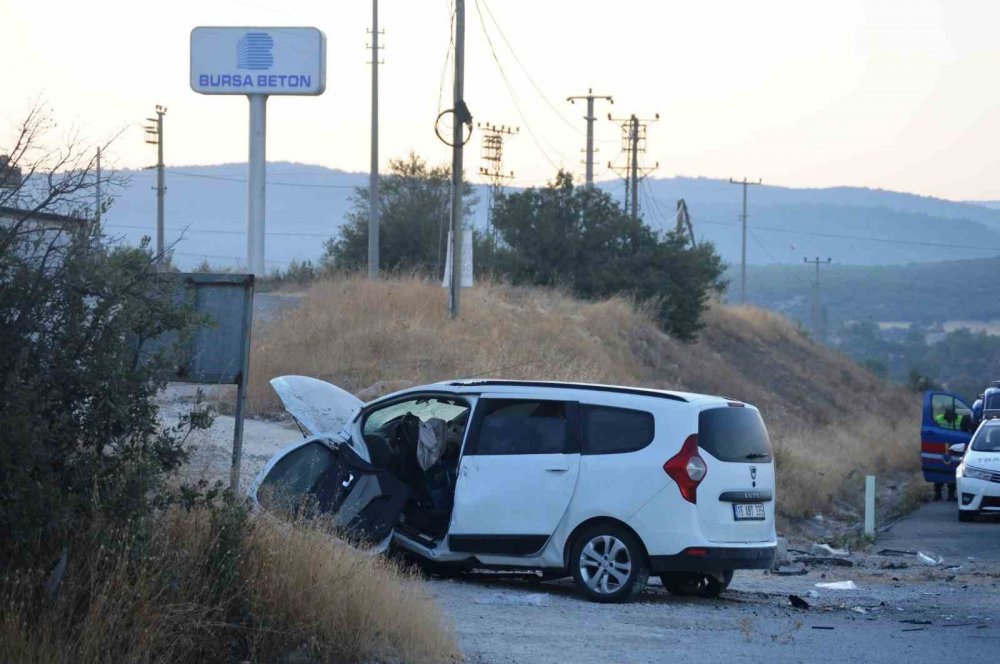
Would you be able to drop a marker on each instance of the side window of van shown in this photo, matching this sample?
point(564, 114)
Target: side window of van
point(608, 430)
point(520, 426)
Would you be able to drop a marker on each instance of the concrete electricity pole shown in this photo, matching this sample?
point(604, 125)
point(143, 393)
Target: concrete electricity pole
point(154, 136)
point(633, 142)
point(815, 303)
point(589, 117)
point(373, 201)
point(461, 116)
point(743, 254)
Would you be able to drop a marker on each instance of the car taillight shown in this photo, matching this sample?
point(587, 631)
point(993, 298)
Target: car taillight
point(687, 469)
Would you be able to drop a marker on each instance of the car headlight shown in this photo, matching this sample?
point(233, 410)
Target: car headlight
point(976, 474)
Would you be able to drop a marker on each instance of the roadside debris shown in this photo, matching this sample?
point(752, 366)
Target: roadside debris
point(798, 602)
point(791, 570)
point(838, 585)
point(827, 550)
point(929, 560)
point(826, 560)
point(821, 627)
point(812, 594)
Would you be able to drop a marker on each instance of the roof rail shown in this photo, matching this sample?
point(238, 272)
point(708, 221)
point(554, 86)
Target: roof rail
point(639, 391)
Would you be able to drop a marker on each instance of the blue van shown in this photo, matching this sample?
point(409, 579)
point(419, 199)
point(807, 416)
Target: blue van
point(947, 420)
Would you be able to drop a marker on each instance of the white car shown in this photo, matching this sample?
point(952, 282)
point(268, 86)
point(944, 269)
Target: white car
point(978, 475)
point(606, 484)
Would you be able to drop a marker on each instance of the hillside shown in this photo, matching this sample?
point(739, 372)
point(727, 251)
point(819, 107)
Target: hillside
point(919, 292)
point(831, 421)
point(206, 216)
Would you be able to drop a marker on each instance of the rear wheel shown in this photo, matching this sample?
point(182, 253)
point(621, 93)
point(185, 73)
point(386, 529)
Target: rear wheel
point(608, 563)
point(966, 515)
point(696, 584)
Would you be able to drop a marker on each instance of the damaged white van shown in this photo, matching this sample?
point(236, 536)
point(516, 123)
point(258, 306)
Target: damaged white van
point(606, 484)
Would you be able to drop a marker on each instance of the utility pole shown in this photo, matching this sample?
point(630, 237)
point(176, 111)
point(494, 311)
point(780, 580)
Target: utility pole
point(154, 136)
point(633, 143)
point(373, 197)
point(492, 153)
point(589, 117)
point(461, 116)
point(743, 254)
point(97, 188)
point(820, 334)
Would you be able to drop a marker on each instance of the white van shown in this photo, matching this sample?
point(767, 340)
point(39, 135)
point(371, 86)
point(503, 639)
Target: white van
point(606, 484)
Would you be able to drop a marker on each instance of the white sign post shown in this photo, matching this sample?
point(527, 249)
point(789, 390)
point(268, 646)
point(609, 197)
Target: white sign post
point(257, 62)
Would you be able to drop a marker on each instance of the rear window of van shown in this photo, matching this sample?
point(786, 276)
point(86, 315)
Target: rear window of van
point(734, 434)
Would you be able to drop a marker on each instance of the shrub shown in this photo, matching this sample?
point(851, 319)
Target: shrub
point(211, 585)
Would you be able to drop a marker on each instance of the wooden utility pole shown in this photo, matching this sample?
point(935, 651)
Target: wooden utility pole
point(743, 254)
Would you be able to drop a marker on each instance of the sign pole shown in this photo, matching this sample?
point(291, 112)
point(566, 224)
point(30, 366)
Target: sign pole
point(241, 385)
point(256, 184)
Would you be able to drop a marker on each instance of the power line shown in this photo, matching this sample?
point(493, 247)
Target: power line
point(841, 236)
point(447, 55)
point(535, 85)
point(220, 231)
point(860, 237)
point(269, 182)
point(513, 95)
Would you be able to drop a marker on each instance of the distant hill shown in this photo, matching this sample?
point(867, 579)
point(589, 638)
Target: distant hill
point(918, 292)
point(206, 217)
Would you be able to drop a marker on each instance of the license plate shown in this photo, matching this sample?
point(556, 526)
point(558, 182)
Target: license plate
point(748, 511)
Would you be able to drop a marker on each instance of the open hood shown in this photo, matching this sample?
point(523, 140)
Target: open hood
point(316, 405)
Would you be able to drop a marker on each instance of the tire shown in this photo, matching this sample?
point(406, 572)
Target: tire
point(608, 563)
point(966, 515)
point(695, 584)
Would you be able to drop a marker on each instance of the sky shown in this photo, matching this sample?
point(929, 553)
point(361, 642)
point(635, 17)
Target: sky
point(804, 93)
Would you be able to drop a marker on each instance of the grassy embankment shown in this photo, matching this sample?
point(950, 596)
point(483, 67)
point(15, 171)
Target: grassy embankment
point(209, 585)
point(831, 421)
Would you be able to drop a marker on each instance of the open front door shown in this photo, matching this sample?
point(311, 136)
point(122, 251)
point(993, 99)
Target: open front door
point(517, 475)
point(319, 478)
point(947, 420)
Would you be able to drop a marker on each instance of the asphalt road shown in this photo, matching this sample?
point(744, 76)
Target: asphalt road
point(901, 610)
point(935, 528)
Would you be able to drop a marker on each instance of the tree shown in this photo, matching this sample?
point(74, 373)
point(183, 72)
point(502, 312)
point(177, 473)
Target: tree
point(414, 212)
point(581, 239)
point(79, 433)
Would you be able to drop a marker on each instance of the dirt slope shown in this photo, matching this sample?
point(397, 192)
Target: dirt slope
point(831, 420)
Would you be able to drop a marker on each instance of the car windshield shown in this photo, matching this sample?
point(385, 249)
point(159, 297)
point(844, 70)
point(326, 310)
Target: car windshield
point(987, 440)
point(992, 402)
point(424, 408)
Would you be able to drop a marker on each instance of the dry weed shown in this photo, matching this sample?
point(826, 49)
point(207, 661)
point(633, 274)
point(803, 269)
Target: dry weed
point(211, 586)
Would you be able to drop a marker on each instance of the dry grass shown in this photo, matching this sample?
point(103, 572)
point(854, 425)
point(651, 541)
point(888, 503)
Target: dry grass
point(208, 586)
point(832, 421)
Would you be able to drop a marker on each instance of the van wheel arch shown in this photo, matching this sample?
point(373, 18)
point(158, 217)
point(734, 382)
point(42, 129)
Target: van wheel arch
point(568, 544)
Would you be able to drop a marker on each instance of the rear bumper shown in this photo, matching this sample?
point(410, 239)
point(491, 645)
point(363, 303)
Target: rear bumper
point(714, 559)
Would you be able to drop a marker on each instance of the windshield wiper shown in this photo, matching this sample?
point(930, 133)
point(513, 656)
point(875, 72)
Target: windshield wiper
point(757, 455)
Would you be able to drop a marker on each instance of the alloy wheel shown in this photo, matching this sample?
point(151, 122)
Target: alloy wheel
point(605, 564)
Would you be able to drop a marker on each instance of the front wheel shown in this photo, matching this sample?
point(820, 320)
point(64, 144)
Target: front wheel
point(966, 515)
point(696, 584)
point(608, 563)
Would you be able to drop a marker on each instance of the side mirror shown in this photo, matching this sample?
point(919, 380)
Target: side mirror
point(957, 449)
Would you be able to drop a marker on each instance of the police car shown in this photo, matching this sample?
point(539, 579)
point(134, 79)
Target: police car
point(978, 474)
